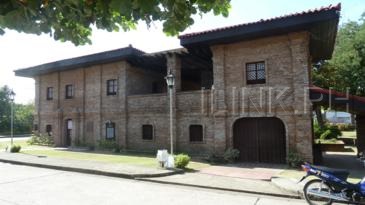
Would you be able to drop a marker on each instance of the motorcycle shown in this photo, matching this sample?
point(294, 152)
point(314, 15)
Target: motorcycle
point(331, 186)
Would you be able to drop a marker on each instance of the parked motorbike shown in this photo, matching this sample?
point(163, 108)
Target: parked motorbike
point(331, 186)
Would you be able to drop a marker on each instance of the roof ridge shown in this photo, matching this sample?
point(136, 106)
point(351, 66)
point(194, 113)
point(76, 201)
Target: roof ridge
point(310, 11)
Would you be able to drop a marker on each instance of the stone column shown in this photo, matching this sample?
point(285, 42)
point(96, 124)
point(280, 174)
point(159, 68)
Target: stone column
point(220, 106)
point(302, 107)
point(37, 117)
point(360, 133)
point(173, 66)
point(122, 95)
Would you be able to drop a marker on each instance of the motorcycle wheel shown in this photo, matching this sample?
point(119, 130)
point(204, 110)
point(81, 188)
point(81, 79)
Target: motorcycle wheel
point(316, 185)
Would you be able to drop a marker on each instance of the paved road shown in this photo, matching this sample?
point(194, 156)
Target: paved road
point(7, 139)
point(35, 186)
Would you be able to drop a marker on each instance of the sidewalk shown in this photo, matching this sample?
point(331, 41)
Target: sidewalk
point(226, 180)
point(225, 184)
point(89, 167)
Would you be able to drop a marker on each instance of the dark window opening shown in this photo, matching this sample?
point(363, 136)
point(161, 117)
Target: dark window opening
point(110, 130)
point(35, 127)
point(50, 93)
point(147, 132)
point(69, 92)
point(112, 87)
point(196, 133)
point(49, 130)
point(255, 73)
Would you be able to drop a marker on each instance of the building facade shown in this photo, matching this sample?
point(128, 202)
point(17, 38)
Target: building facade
point(244, 86)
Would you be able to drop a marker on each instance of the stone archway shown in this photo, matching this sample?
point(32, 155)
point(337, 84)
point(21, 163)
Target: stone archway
point(260, 139)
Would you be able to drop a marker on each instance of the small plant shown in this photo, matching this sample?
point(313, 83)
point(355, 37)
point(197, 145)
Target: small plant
point(40, 139)
point(15, 148)
point(328, 131)
point(294, 159)
point(182, 160)
point(215, 159)
point(108, 144)
point(231, 155)
point(326, 135)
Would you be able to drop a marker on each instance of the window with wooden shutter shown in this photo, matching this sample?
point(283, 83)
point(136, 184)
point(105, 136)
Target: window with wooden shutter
point(110, 130)
point(50, 93)
point(69, 91)
point(112, 87)
point(255, 73)
point(196, 133)
point(147, 132)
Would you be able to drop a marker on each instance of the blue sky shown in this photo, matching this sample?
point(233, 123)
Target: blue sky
point(24, 50)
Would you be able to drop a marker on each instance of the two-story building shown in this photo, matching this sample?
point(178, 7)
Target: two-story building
point(244, 86)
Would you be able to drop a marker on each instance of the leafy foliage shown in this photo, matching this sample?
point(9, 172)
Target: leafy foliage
point(294, 159)
point(182, 160)
point(346, 70)
point(23, 114)
point(40, 139)
point(231, 155)
point(346, 127)
point(71, 20)
point(328, 131)
point(108, 144)
point(15, 148)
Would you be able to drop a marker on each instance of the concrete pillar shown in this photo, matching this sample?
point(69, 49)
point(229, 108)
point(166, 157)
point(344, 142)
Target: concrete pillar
point(360, 133)
point(220, 106)
point(122, 95)
point(302, 107)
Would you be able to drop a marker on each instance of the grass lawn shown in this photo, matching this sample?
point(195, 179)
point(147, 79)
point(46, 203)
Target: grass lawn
point(329, 141)
point(349, 134)
point(123, 158)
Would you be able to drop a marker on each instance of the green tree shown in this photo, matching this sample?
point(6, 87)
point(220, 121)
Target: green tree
point(71, 20)
point(23, 114)
point(346, 69)
point(5, 108)
point(23, 118)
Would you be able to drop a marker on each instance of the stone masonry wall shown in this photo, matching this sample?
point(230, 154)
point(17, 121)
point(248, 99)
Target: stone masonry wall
point(286, 58)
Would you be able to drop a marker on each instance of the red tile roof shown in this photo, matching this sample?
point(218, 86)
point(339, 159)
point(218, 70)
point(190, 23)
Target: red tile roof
point(318, 10)
point(336, 93)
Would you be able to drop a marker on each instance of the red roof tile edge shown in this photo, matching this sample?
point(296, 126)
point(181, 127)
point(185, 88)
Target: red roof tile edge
point(336, 93)
point(317, 10)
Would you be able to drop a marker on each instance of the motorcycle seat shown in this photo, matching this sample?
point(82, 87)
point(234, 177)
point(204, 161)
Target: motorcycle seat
point(340, 173)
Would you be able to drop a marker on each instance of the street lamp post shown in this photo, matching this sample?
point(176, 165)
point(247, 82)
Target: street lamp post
point(12, 96)
point(170, 80)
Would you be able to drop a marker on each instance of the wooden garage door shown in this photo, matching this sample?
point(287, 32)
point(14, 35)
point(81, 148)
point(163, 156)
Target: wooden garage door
point(260, 139)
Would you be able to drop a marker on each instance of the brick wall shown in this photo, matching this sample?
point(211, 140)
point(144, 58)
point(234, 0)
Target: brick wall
point(286, 58)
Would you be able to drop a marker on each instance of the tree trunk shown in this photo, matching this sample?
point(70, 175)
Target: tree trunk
point(318, 111)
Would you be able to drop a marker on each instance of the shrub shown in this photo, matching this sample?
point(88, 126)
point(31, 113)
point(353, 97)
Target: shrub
point(326, 135)
point(294, 159)
point(40, 139)
point(108, 144)
point(231, 155)
point(15, 148)
point(181, 161)
point(215, 159)
point(327, 131)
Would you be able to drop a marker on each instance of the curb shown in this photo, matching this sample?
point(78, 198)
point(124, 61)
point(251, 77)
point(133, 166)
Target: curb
point(144, 177)
point(279, 185)
point(92, 171)
point(221, 189)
